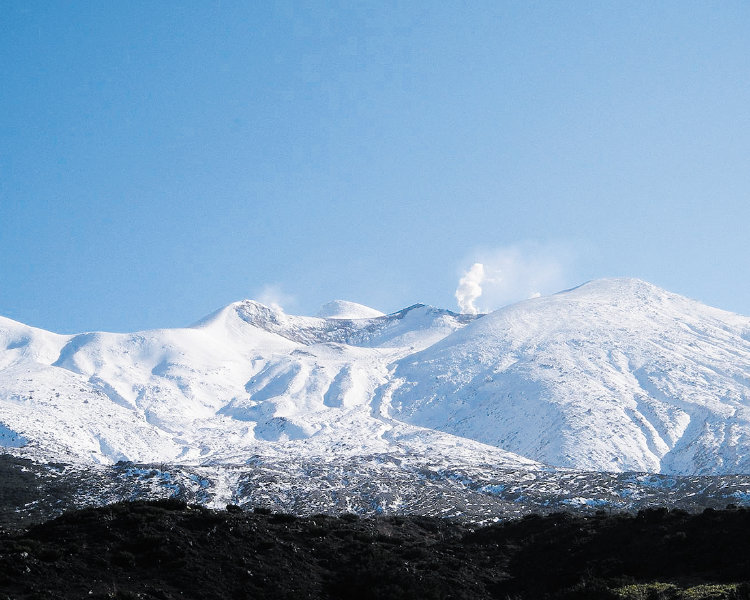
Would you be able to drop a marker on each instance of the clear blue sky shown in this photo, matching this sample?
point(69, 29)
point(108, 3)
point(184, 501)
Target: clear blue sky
point(159, 160)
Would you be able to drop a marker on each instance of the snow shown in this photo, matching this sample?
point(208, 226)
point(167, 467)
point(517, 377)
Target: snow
point(614, 375)
point(246, 380)
point(342, 309)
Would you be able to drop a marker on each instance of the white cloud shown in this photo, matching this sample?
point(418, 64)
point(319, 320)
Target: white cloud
point(505, 275)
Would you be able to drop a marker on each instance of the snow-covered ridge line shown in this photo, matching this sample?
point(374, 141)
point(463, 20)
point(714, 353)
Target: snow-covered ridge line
point(613, 375)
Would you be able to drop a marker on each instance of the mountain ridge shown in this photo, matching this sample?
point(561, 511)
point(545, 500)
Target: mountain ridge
point(613, 375)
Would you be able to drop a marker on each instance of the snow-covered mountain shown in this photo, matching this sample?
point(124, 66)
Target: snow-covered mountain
point(614, 375)
point(343, 309)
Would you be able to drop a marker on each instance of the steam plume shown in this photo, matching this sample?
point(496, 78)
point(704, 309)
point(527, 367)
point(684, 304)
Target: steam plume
point(511, 273)
point(273, 296)
point(470, 288)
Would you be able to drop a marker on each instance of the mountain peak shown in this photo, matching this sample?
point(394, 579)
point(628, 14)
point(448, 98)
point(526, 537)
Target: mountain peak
point(620, 285)
point(343, 309)
point(241, 308)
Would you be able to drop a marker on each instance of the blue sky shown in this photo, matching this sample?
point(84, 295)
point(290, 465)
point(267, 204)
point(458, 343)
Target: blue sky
point(159, 160)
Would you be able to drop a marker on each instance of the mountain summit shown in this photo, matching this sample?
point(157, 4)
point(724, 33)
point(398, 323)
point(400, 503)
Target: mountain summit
point(342, 309)
point(614, 375)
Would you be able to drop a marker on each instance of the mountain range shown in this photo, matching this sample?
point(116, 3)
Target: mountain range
point(615, 375)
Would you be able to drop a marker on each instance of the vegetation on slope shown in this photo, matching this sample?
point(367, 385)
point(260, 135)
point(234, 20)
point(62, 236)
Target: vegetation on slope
point(167, 549)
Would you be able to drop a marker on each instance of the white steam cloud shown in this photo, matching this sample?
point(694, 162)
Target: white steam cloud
point(506, 275)
point(272, 295)
point(470, 288)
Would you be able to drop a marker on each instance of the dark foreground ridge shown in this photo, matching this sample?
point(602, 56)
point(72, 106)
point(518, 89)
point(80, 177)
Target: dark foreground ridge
point(166, 550)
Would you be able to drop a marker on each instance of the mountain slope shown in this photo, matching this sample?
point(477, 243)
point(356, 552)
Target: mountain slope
point(613, 375)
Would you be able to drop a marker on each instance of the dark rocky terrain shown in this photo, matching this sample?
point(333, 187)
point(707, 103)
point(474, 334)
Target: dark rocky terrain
point(167, 549)
point(33, 492)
